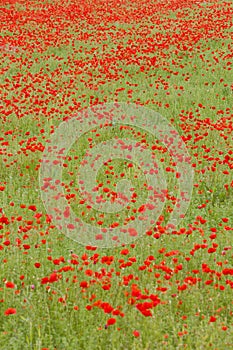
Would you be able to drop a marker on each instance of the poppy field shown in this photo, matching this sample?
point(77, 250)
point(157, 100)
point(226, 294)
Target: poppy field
point(106, 105)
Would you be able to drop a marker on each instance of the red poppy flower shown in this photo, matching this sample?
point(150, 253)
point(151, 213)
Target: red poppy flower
point(111, 321)
point(136, 333)
point(10, 285)
point(10, 311)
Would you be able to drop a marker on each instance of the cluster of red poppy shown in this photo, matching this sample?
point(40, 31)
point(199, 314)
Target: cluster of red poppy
point(75, 54)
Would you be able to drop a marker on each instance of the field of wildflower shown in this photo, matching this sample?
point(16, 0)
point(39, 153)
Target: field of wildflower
point(62, 285)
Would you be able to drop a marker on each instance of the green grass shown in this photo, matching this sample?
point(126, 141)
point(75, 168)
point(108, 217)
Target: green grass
point(176, 88)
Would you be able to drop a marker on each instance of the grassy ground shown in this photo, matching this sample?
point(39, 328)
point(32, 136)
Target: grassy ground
point(165, 290)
